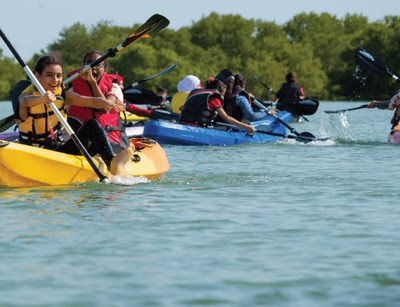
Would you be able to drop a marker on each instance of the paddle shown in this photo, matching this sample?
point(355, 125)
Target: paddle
point(134, 84)
point(6, 123)
point(308, 135)
point(303, 107)
point(372, 63)
point(164, 114)
point(350, 109)
point(265, 85)
point(151, 27)
point(299, 138)
point(41, 90)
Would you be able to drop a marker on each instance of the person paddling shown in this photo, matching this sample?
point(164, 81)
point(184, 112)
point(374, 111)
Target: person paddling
point(204, 104)
point(289, 94)
point(392, 104)
point(238, 104)
point(98, 83)
point(39, 126)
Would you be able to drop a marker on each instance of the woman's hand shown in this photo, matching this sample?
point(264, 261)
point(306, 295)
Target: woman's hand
point(48, 97)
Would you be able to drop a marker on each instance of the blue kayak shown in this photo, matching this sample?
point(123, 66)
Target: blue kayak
point(165, 132)
point(9, 136)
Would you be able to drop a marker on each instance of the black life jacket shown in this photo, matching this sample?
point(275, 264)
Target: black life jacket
point(16, 91)
point(289, 93)
point(195, 109)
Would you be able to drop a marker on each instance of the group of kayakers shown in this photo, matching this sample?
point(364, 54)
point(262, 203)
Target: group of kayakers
point(95, 99)
point(224, 98)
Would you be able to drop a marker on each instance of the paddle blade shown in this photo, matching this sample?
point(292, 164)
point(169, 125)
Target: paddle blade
point(151, 27)
point(370, 62)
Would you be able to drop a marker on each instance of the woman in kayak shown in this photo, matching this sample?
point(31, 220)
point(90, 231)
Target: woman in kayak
point(40, 127)
point(203, 105)
point(238, 104)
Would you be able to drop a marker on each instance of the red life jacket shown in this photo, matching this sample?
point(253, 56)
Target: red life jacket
point(111, 121)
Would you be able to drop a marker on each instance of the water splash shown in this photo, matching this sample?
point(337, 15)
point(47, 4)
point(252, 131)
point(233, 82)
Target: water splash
point(361, 76)
point(127, 180)
point(336, 125)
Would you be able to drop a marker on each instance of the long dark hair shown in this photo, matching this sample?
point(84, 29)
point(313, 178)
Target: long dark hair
point(240, 80)
point(215, 84)
point(44, 61)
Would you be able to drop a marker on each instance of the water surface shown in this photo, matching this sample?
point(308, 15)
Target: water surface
point(283, 224)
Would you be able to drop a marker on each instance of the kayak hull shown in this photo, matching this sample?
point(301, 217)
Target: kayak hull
point(27, 166)
point(394, 137)
point(178, 134)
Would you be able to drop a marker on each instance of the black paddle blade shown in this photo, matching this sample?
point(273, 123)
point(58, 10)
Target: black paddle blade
point(305, 137)
point(370, 62)
point(151, 27)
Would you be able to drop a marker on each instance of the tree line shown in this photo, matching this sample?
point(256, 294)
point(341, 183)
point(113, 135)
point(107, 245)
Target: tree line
point(318, 47)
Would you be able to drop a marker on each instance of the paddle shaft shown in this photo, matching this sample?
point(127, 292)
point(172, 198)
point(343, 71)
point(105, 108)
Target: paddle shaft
point(257, 103)
point(265, 85)
point(153, 25)
point(287, 136)
point(345, 110)
point(41, 90)
point(6, 123)
point(134, 84)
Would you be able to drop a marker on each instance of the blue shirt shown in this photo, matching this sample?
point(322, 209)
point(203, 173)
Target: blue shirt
point(249, 114)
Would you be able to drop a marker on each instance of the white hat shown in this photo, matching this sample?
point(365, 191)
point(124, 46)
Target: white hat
point(188, 83)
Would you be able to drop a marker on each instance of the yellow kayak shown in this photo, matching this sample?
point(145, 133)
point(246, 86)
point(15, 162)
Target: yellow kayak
point(27, 166)
point(133, 117)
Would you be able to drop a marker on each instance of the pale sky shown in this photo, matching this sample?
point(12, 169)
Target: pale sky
point(31, 25)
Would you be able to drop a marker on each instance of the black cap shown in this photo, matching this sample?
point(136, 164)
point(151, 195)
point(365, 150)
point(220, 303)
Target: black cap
point(223, 75)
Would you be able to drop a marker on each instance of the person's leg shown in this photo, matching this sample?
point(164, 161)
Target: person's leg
point(94, 138)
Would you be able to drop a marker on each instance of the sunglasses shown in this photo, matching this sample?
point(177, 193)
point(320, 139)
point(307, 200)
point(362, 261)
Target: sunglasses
point(98, 66)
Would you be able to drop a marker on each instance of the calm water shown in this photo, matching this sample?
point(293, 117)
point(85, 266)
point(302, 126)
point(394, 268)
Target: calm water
point(283, 224)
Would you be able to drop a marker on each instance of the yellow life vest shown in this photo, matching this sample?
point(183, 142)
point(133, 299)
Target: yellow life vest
point(35, 129)
point(178, 100)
